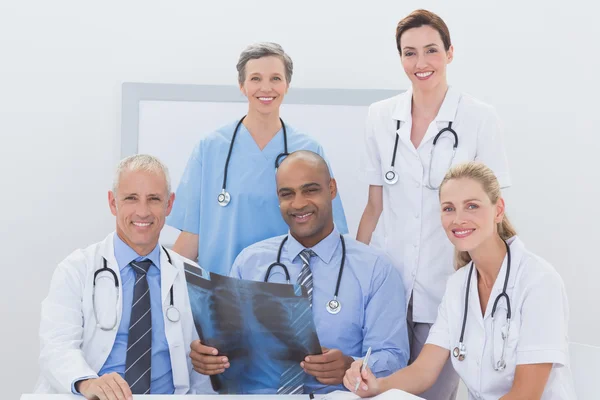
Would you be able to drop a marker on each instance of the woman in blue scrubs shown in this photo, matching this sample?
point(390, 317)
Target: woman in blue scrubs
point(217, 224)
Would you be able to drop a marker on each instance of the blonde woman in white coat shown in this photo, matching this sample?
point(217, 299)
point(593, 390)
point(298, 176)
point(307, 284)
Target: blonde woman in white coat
point(504, 316)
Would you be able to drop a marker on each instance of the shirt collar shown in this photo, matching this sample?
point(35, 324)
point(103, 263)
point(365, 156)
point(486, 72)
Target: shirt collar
point(516, 251)
point(449, 106)
point(125, 254)
point(324, 249)
point(402, 112)
point(447, 112)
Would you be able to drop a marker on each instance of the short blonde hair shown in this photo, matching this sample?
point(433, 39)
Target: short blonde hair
point(479, 172)
point(141, 162)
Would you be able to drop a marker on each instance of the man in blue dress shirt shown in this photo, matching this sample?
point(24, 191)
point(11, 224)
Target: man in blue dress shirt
point(371, 294)
point(108, 328)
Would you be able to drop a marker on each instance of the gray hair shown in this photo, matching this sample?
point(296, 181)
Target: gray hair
point(260, 50)
point(141, 162)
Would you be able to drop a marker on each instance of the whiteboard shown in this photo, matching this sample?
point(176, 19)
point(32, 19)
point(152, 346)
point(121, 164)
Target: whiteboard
point(167, 121)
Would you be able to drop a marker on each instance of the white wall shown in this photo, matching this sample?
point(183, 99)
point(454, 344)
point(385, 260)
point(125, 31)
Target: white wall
point(62, 63)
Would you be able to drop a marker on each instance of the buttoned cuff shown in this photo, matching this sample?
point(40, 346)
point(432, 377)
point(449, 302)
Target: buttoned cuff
point(73, 390)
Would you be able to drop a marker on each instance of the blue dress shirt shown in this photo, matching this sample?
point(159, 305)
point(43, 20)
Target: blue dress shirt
point(371, 294)
point(253, 213)
point(161, 374)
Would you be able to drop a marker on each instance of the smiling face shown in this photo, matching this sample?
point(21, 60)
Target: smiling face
point(306, 190)
point(265, 84)
point(424, 57)
point(468, 215)
point(141, 204)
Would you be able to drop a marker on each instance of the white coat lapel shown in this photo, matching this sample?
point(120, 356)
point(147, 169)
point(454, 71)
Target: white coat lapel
point(102, 342)
point(174, 331)
point(404, 133)
point(168, 273)
point(446, 114)
point(107, 252)
point(402, 114)
point(474, 316)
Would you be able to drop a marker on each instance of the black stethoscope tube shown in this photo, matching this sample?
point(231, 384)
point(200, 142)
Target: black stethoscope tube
point(278, 263)
point(235, 132)
point(503, 294)
point(114, 275)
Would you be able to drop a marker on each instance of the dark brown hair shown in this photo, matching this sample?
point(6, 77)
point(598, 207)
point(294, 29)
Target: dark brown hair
point(420, 18)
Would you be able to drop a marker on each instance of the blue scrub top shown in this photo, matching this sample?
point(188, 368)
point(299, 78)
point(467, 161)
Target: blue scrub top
point(253, 213)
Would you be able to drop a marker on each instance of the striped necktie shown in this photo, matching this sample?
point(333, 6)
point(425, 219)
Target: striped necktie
point(139, 341)
point(305, 278)
point(292, 379)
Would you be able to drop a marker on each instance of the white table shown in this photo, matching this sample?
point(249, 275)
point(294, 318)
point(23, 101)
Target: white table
point(392, 394)
point(175, 397)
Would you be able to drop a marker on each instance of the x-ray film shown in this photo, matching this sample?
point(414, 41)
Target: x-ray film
point(265, 329)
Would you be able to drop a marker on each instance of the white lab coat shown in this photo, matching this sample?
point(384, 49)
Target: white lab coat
point(537, 334)
point(73, 346)
point(410, 229)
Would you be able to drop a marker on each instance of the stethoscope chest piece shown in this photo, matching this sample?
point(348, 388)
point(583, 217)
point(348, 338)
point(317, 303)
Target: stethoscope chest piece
point(460, 352)
point(334, 306)
point(500, 365)
point(173, 314)
point(224, 198)
point(391, 177)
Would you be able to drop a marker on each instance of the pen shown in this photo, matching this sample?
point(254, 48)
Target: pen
point(362, 367)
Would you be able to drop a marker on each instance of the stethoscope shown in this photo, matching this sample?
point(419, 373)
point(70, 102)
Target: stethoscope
point(333, 306)
point(460, 351)
point(172, 312)
point(224, 197)
point(391, 176)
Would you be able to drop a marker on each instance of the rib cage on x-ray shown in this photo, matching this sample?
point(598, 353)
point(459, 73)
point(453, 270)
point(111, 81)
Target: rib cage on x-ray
point(264, 329)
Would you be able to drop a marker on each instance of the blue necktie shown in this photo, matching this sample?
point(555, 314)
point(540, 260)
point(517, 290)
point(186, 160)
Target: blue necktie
point(292, 379)
point(139, 342)
point(305, 278)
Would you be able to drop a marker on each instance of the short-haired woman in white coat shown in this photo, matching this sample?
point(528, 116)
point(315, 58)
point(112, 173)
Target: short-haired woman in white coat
point(411, 141)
